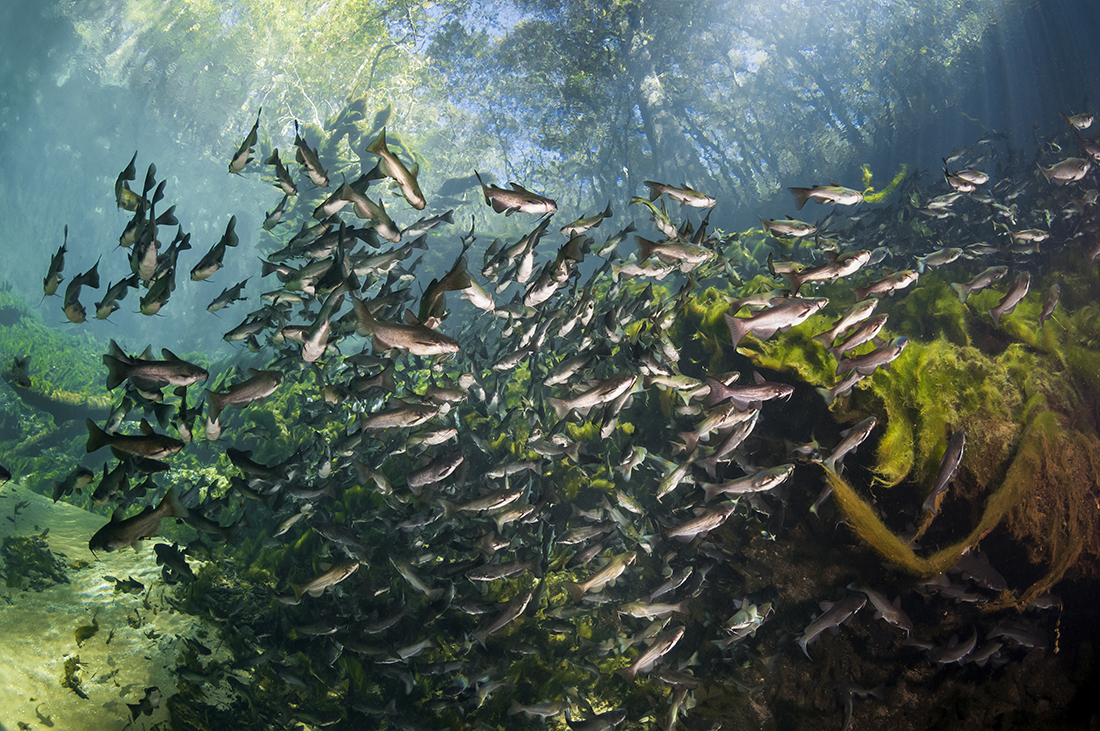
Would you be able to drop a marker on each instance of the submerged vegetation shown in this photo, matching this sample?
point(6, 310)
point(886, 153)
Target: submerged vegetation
point(575, 494)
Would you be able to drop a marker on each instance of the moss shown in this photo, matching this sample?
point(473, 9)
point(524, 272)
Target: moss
point(869, 194)
point(930, 311)
point(1047, 495)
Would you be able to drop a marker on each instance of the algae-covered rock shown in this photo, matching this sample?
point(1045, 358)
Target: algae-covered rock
point(29, 564)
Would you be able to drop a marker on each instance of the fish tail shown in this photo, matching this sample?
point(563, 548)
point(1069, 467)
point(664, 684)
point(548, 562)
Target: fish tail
point(654, 190)
point(737, 329)
point(116, 371)
point(801, 195)
point(576, 591)
point(793, 282)
point(828, 395)
point(961, 290)
point(861, 293)
point(561, 408)
point(364, 318)
point(484, 188)
point(97, 438)
point(379, 145)
point(690, 441)
point(217, 403)
point(645, 248)
point(171, 507)
point(996, 316)
point(449, 508)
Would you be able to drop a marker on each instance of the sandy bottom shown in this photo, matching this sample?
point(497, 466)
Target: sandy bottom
point(136, 644)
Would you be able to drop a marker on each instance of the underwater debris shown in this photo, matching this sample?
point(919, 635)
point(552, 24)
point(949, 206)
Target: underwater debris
point(71, 677)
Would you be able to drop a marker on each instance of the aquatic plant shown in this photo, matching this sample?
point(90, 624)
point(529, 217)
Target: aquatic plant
point(29, 563)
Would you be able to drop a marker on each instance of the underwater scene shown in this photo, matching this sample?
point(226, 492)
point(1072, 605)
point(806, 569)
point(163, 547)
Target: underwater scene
point(549, 364)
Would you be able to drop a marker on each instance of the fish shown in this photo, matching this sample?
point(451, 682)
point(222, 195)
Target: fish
point(148, 374)
point(788, 227)
point(125, 198)
point(511, 612)
point(949, 465)
point(129, 585)
point(120, 532)
point(888, 285)
point(954, 651)
point(392, 167)
point(491, 501)
point(703, 523)
point(517, 199)
point(148, 444)
point(212, 260)
point(938, 259)
point(854, 315)
point(584, 224)
point(868, 363)
point(760, 481)
point(330, 578)
point(1066, 171)
point(53, 276)
point(112, 484)
point(364, 207)
point(435, 471)
point(307, 158)
point(413, 338)
point(782, 316)
point(987, 277)
point(72, 308)
point(831, 193)
point(75, 481)
point(404, 414)
point(275, 216)
point(258, 385)
point(173, 559)
point(149, 702)
point(283, 181)
point(852, 437)
point(662, 645)
point(244, 153)
point(839, 266)
point(1078, 121)
point(608, 574)
point(228, 296)
point(685, 196)
point(601, 392)
point(685, 256)
point(834, 615)
point(115, 292)
point(1015, 293)
point(1053, 295)
point(884, 609)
